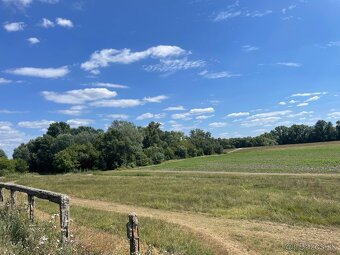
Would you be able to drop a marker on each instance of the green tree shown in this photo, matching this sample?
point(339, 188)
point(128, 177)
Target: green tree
point(58, 128)
point(22, 152)
point(338, 130)
point(2, 154)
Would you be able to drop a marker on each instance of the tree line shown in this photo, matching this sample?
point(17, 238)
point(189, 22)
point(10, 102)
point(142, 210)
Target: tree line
point(64, 149)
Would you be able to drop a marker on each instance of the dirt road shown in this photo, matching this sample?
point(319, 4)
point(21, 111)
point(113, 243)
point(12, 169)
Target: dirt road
point(229, 236)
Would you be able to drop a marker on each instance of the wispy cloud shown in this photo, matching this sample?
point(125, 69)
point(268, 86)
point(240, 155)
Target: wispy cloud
point(289, 64)
point(218, 75)
point(79, 122)
point(302, 104)
point(40, 72)
point(217, 124)
point(193, 112)
point(308, 94)
point(174, 65)
point(10, 137)
point(127, 103)
point(334, 115)
point(4, 81)
point(105, 57)
point(149, 115)
point(46, 23)
point(289, 8)
point(109, 85)
point(75, 110)
point(118, 116)
point(249, 48)
point(22, 4)
point(238, 114)
point(37, 124)
point(14, 26)
point(234, 12)
point(78, 96)
point(175, 108)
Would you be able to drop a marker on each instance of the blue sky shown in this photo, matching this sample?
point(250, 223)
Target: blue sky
point(234, 68)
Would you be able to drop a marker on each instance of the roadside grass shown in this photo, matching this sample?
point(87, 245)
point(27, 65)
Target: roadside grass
point(286, 199)
point(309, 158)
point(165, 238)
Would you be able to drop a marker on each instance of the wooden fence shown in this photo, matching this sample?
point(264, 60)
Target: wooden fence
point(62, 200)
point(64, 206)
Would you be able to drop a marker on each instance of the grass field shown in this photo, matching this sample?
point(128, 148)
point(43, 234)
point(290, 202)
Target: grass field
point(274, 200)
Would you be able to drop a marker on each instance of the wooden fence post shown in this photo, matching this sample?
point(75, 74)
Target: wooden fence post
point(133, 234)
point(12, 198)
point(65, 218)
point(1, 195)
point(31, 204)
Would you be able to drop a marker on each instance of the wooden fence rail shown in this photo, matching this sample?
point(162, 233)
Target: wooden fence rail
point(62, 200)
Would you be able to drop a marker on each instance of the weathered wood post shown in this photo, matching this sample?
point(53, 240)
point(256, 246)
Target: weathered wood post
point(31, 204)
point(12, 198)
point(133, 234)
point(1, 195)
point(65, 218)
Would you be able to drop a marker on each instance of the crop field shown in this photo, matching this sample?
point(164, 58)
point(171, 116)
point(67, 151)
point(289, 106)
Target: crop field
point(273, 200)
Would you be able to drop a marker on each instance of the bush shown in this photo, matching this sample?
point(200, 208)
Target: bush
point(7, 166)
point(21, 166)
point(17, 236)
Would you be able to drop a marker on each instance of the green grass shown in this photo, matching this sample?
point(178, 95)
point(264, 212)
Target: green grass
point(165, 237)
point(310, 158)
point(288, 199)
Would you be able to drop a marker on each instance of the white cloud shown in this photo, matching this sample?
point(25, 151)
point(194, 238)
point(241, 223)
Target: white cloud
point(293, 101)
point(270, 114)
point(156, 99)
point(233, 13)
point(175, 108)
point(312, 99)
point(38, 124)
point(14, 26)
point(300, 114)
point(302, 105)
point(263, 121)
point(291, 7)
point(192, 112)
point(78, 96)
point(21, 4)
point(174, 65)
point(218, 75)
point(46, 23)
point(238, 114)
point(308, 94)
point(79, 122)
point(10, 137)
point(75, 110)
point(333, 44)
point(40, 72)
point(249, 48)
point(127, 103)
point(289, 64)
point(282, 103)
point(4, 81)
point(181, 116)
point(18, 3)
point(105, 57)
point(109, 85)
point(64, 22)
point(217, 124)
point(334, 115)
point(151, 116)
point(33, 40)
point(199, 111)
point(118, 116)
point(204, 117)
